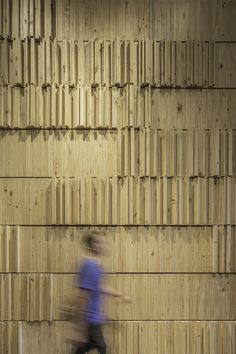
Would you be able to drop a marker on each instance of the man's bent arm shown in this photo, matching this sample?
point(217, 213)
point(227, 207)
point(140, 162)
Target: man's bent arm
point(83, 299)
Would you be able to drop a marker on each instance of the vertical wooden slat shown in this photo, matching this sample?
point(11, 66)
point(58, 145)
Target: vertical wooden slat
point(197, 201)
point(142, 151)
point(105, 71)
point(15, 19)
point(33, 74)
point(1, 104)
point(31, 18)
point(228, 182)
point(33, 298)
point(133, 69)
point(211, 201)
point(197, 77)
point(174, 201)
point(205, 64)
point(60, 106)
point(179, 154)
point(37, 18)
point(108, 202)
point(159, 202)
point(173, 63)
point(17, 257)
point(100, 201)
point(215, 250)
point(157, 63)
point(50, 297)
point(41, 58)
point(147, 152)
point(65, 62)
point(26, 61)
point(132, 152)
point(114, 202)
point(8, 297)
point(2, 303)
point(83, 200)
point(190, 62)
point(211, 63)
point(68, 200)
point(48, 61)
point(124, 204)
point(75, 107)
point(80, 63)
point(165, 200)
point(76, 201)
point(1, 33)
point(230, 247)
point(32, 106)
point(168, 63)
point(125, 152)
point(229, 155)
point(149, 61)
point(7, 248)
point(8, 111)
point(97, 75)
point(18, 61)
point(82, 112)
point(154, 153)
point(215, 153)
point(41, 295)
point(62, 200)
point(4, 62)
point(47, 19)
point(6, 18)
point(162, 62)
point(119, 152)
point(16, 108)
point(90, 108)
point(55, 62)
point(147, 201)
point(131, 92)
point(131, 201)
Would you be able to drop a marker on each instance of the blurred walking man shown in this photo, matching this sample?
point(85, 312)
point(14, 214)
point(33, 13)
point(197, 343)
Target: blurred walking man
point(91, 289)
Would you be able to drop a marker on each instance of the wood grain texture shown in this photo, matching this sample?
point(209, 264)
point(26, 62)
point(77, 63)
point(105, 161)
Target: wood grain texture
point(126, 152)
point(93, 19)
point(100, 63)
point(156, 249)
point(101, 107)
point(156, 201)
point(119, 117)
point(22, 18)
point(136, 19)
point(181, 19)
point(177, 336)
point(199, 296)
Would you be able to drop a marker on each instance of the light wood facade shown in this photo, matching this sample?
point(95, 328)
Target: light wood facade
point(119, 116)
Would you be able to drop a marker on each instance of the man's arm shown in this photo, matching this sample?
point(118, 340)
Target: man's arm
point(83, 299)
point(82, 329)
point(107, 290)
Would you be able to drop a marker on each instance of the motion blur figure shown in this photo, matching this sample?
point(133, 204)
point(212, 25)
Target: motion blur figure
point(91, 290)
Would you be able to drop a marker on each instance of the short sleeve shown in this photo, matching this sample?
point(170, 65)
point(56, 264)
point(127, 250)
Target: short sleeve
point(87, 277)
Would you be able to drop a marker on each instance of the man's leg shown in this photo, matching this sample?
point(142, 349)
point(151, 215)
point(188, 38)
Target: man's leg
point(97, 340)
point(85, 349)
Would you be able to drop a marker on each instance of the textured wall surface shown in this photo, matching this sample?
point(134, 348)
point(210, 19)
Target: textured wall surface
point(119, 116)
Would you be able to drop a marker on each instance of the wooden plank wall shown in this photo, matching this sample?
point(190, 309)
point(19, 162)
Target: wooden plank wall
point(119, 116)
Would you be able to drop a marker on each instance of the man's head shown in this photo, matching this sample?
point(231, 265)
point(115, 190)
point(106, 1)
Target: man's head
point(95, 243)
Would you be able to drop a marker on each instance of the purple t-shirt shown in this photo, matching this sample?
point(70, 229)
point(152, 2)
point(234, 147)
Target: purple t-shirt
point(90, 279)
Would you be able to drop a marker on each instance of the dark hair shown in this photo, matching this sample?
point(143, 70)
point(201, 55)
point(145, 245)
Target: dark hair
point(89, 239)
